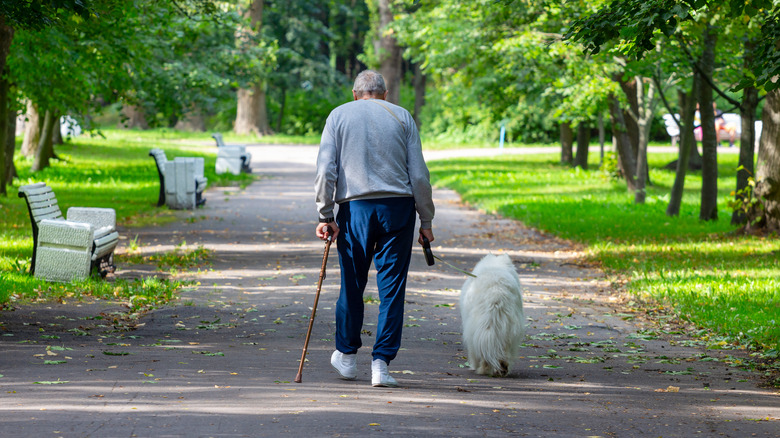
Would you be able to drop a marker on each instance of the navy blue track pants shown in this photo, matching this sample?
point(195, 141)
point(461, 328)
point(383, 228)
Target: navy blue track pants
point(381, 230)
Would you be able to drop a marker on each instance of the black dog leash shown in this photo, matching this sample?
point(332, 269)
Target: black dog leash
point(429, 258)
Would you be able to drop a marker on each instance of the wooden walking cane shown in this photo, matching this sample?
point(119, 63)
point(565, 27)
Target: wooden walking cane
point(316, 300)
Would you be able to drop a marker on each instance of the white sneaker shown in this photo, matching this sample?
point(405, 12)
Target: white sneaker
point(379, 375)
point(345, 364)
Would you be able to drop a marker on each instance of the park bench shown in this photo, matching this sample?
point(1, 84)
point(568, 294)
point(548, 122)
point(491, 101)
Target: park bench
point(181, 181)
point(231, 158)
point(68, 249)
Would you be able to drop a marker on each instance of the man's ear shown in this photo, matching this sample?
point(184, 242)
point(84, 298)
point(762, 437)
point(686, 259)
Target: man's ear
point(354, 95)
point(384, 96)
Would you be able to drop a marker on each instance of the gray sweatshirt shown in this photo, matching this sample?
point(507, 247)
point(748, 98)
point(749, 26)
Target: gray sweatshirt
point(371, 149)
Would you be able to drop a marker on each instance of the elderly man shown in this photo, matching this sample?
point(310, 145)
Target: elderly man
point(370, 163)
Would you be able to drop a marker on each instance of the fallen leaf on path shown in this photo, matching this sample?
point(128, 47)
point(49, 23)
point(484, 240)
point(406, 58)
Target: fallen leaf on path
point(669, 389)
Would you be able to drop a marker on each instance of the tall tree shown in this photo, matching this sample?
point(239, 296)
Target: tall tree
point(15, 15)
point(583, 145)
point(625, 153)
point(509, 67)
point(252, 113)
point(747, 141)
point(687, 144)
point(767, 170)
point(388, 51)
point(45, 149)
point(567, 143)
point(709, 143)
point(634, 24)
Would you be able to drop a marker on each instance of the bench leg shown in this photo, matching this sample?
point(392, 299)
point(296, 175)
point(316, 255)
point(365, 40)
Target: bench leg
point(105, 265)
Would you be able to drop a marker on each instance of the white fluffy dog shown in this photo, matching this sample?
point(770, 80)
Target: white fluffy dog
point(491, 308)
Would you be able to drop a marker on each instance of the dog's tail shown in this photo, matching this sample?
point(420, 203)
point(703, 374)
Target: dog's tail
point(496, 338)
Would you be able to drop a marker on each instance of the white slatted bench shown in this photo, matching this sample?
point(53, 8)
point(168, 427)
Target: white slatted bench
point(231, 158)
point(181, 181)
point(66, 250)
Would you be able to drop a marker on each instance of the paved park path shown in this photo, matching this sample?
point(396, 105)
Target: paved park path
point(221, 361)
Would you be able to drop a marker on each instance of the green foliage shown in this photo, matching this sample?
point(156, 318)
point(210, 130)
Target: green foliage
point(169, 58)
point(767, 65)
point(303, 71)
point(635, 26)
point(698, 269)
point(633, 22)
point(306, 110)
point(496, 63)
point(37, 14)
point(746, 203)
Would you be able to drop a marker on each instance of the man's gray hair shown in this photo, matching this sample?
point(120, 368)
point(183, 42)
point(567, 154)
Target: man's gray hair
point(369, 82)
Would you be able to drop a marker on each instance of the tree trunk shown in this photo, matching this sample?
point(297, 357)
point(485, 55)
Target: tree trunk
point(695, 161)
point(32, 131)
point(768, 167)
point(135, 117)
point(747, 141)
point(6, 37)
point(5, 132)
point(46, 146)
point(687, 142)
point(632, 129)
point(352, 67)
point(251, 111)
point(282, 104)
point(567, 143)
point(388, 53)
point(625, 153)
point(10, 147)
point(601, 138)
point(419, 93)
point(252, 114)
point(57, 133)
point(643, 118)
point(193, 121)
point(583, 142)
point(709, 141)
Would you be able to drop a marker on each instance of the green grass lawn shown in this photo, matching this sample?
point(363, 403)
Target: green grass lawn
point(114, 172)
point(702, 271)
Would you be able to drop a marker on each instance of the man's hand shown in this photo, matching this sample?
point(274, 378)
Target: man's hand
point(325, 230)
point(428, 233)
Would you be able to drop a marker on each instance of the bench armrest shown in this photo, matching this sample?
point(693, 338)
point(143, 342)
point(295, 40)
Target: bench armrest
point(64, 233)
point(97, 217)
point(199, 167)
point(200, 184)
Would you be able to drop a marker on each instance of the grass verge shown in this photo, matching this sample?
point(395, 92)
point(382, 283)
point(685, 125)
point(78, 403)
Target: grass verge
point(700, 270)
point(114, 171)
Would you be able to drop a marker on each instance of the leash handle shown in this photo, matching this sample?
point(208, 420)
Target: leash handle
point(427, 251)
